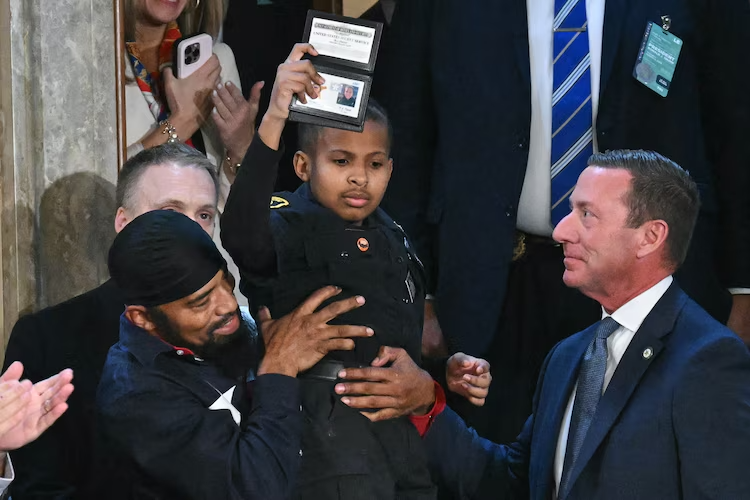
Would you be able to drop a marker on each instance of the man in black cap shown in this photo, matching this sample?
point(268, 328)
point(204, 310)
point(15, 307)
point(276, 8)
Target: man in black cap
point(176, 417)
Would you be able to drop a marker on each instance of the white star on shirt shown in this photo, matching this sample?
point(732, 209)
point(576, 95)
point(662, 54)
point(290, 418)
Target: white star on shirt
point(225, 403)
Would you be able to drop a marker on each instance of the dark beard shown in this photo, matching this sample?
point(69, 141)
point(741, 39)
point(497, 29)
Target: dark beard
point(235, 353)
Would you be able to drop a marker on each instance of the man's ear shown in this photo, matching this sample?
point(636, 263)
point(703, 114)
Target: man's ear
point(302, 165)
point(654, 237)
point(121, 219)
point(138, 315)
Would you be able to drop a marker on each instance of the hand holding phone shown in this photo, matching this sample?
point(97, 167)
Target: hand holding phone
point(188, 84)
point(190, 53)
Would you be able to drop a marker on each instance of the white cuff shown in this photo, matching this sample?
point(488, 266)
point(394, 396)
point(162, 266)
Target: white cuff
point(134, 149)
point(739, 291)
point(7, 477)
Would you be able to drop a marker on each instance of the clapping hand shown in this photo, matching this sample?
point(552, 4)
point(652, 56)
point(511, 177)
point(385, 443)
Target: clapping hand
point(234, 117)
point(27, 410)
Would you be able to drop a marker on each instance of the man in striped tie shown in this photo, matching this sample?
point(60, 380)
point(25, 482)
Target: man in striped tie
point(506, 101)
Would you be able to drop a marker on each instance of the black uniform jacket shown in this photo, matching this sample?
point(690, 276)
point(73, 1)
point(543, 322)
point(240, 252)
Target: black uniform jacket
point(294, 246)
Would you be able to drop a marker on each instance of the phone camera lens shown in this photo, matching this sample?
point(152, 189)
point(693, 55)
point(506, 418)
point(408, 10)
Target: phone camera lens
point(192, 53)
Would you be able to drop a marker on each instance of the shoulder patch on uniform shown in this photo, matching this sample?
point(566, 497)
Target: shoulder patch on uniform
point(278, 202)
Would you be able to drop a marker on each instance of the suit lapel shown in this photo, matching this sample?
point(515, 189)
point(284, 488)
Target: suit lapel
point(642, 351)
point(560, 377)
point(614, 17)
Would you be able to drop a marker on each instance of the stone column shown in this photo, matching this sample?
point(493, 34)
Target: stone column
point(58, 151)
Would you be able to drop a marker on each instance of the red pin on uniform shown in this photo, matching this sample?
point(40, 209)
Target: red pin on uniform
point(363, 245)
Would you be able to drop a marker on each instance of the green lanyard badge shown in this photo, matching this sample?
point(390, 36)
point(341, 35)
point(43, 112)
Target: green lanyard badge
point(657, 57)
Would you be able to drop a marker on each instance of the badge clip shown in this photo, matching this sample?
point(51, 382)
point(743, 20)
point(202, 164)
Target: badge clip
point(666, 23)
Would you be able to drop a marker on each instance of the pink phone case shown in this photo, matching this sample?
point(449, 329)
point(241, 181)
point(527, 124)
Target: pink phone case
point(192, 53)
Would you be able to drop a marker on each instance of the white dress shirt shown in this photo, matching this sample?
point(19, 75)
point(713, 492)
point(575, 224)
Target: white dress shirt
point(630, 316)
point(6, 476)
point(534, 206)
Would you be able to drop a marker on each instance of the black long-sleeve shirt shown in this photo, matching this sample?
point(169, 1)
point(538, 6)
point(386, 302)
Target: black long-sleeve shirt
point(245, 224)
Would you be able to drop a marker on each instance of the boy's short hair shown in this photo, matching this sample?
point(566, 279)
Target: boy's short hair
point(309, 135)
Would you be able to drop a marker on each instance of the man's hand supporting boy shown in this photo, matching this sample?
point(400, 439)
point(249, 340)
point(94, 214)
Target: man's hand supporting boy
point(405, 389)
point(401, 389)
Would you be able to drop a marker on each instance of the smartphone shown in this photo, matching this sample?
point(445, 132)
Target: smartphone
point(190, 53)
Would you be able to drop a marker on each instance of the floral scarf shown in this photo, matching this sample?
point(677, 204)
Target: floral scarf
point(150, 83)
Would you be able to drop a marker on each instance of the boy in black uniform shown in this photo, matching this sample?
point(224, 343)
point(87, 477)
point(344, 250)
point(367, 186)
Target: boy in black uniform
point(331, 232)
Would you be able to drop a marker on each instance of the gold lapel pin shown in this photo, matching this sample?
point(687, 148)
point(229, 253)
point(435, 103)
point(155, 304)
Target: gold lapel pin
point(647, 353)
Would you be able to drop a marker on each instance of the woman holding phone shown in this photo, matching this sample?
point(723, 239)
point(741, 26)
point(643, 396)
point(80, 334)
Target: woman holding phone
point(205, 109)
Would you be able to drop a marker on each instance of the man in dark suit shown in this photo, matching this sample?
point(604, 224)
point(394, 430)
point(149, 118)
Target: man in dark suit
point(472, 92)
point(653, 401)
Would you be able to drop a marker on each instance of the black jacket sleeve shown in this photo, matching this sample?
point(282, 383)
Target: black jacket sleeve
point(403, 86)
point(471, 467)
point(245, 223)
point(189, 449)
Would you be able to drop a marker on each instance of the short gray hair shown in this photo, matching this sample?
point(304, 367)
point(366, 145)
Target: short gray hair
point(177, 153)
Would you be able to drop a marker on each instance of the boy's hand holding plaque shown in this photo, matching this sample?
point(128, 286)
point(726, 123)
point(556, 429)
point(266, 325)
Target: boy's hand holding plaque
point(347, 49)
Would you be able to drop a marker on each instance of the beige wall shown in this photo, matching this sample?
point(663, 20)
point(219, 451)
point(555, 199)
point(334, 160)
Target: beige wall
point(58, 151)
point(355, 8)
point(7, 298)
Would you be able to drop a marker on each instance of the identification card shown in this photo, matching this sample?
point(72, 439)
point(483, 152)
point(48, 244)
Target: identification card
point(657, 59)
point(347, 50)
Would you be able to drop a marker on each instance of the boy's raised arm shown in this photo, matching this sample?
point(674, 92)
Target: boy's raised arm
point(245, 223)
point(294, 76)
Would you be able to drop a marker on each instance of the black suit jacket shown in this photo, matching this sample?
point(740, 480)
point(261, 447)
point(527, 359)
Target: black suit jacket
point(458, 91)
point(674, 422)
point(76, 334)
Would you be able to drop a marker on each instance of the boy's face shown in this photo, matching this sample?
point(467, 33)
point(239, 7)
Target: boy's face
point(349, 172)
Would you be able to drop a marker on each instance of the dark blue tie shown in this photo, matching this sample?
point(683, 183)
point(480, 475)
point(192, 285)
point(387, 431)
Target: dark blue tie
point(588, 393)
point(572, 131)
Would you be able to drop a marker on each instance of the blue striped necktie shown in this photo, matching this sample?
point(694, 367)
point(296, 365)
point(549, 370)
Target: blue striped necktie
point(588, 393)
point(572, 132)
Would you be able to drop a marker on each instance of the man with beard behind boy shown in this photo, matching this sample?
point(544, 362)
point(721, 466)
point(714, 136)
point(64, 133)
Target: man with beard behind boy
point(177, 418)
